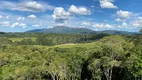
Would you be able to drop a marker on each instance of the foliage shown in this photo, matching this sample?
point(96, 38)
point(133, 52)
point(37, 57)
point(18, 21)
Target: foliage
point(101, 59)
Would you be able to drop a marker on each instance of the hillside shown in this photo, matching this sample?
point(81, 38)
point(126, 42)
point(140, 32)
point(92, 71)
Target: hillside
point(140, 30)
point(2, 32)
point(69, 30)
point(116, 32)
point(63, 29)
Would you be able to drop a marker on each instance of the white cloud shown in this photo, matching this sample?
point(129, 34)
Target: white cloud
point(139, 18)
point(17, 24)
point(123, 15)
point(43, 20)
point(5, 23)
point(4, 17)
point(36, 25)
point(20, 18)
point(32, 16)
point(79, 10)
point(85, 24)
point(106, 0)
point(107, 4)
point(124, 24)
point(60, 15)
point(50, 26)
point(111, 0)
point(7, 17)
point(137, 22)
point(22, 25)
point(1, 16)
point(98, 25)
point(118, 19)
point(31, 6)
point(102, 25)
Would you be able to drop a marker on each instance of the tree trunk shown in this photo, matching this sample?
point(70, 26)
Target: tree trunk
point(110, 74)
point(53, 77)
point(106, 72)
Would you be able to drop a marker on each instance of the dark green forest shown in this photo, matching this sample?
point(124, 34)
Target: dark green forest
point(45, 56)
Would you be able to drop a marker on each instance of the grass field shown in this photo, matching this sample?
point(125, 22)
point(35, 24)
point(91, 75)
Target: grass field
point(70, 45)
point(85, 45)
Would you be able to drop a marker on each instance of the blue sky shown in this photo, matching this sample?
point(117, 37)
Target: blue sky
point(23, 15)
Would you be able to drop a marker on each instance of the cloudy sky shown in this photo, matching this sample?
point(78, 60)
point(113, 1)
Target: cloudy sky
point(22, 15)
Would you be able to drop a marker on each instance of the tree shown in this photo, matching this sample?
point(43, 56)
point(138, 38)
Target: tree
point(43, 40)
point(58, 69)
point(26, 42)
point(96, 71)
point(112, 52)
point(140, 30)
point(134, 61)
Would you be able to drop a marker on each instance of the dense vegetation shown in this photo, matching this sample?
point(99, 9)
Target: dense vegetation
point(141, 30)
point(40, 56)
point(50, 39)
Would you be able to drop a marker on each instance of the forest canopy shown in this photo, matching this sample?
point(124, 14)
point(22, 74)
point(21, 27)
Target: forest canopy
point(40, 56)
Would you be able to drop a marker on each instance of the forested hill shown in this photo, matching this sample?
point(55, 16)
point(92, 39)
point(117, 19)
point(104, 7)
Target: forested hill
point(63, 29)
point(2, 32)
point(140, 30)
point(69, 30)
point(116, 32)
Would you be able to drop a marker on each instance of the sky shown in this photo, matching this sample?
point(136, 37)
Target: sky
point(98, 15)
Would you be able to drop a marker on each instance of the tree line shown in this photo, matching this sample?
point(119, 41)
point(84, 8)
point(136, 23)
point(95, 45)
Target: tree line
point(52, 39)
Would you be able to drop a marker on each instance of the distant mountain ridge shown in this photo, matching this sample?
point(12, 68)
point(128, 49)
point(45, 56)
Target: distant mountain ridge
point(116, 32)
point(68, 30)
point(2, 32)
point(63, 29)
